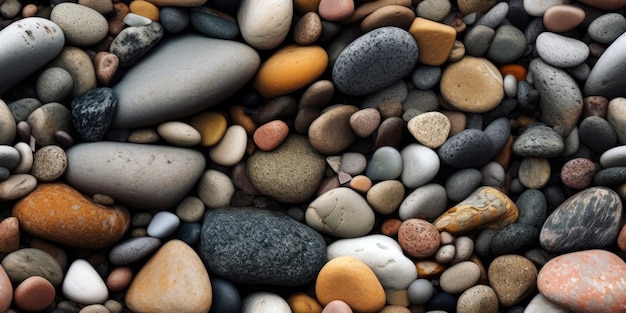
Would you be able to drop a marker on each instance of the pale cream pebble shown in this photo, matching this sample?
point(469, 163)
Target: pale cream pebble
point(29, 10)
point(144, 135)
point(179, 134)
point(26, 158)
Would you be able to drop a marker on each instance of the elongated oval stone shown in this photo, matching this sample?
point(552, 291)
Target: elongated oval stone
point(589, 219)
point(27, 45)
point(176, 79)
point(139, 175)
point(605, 78)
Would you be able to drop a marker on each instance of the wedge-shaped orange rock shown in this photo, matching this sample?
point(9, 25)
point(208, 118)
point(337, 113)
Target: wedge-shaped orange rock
point(486, 207)
point(435, 40)
point(59, 213)
point(350, 280)
point(173, 280)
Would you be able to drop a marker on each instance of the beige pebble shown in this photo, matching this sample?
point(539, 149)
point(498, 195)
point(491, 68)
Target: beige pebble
point(26, 158)
point(478, 299)
point(390, 109)
point(389, 15)
point(49, 163)
point(457, 120)
point(513, 278)
point(386, 196)
point(445, 254)
point(534, 173)
point(459, 277)
point(430, 129)
point(144, 135)
point(361, 183)
point(231, 149)
point(94, 308)
point(308, 29)
point(364, 122)
point(29, 10)
point(114, 306)
point(190, 209)
point(472, 85)
point(179, 134)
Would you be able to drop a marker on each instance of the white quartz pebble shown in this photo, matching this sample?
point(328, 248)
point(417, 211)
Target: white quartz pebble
point(82, 284)
point(163, 224)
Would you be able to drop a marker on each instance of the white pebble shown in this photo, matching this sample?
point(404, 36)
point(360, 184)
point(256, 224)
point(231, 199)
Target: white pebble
point(82, 284)
point(26, 158)
point(179, 134)
point(445, 254)
point(132, 19)
point(264, 302)
point(163, 224)
point(464, 247)
point(510, 86)
point(231, 149)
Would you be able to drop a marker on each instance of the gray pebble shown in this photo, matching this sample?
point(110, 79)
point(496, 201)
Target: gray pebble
point(134, 42)
point(539, 141)
point(508, 45)
point(580, 72)
point(22, 108)
point(133, 249)
point(478, 39)
point(482, 244)
point(4, 174)
point(9, 157)
point(493, 174)
point(46, 120)
point(527, 97)
point(462, 183)
point(466, 149)
point(394, 93)
point(606, 28)
point(561, 51)
point(513, 238)
point(54, 85)
point(174, 19)
point(532, 207)
point(464, 247)
point(214, 26)
point(539, 256)
point(498, 131)
point(421, 101)
point(426, 77)
point(533, 29)
point(606, 77)
point(352, 163)
point(597, 134)
point(420, 291)
point(434, 10)
point(494, 17)
point(610, 176)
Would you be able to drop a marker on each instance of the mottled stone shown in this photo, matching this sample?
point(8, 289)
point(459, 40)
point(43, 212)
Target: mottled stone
point(478, 299)
point(539, 141)
point(578, 173)
point(513, 278)
point(81, 25)
point(589, 219)
point(256, 246)
point(132, 43)
point(418, 238)
point(92, 113)
point(513, 238)
point(132, 250)
point(27, 262)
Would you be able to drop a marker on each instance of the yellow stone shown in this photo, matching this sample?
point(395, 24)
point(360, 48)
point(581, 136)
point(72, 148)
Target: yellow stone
point(173, 280)
point(302, 303)
point(289, 69)
point(145, 9)
point(211, 126)
point(350, 280)
point(435, 40)
point(487, 207)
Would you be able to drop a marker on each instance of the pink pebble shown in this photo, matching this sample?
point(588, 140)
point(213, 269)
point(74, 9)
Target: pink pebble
point(6, 290)
point(335, 10)
point(119, 279)
point(34, 294)
point(270, 135)
point(337, 306)
point(563, 17)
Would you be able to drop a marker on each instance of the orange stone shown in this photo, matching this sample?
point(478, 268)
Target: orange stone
point(239, 117)
point(303, 7)
point(429, 269)
point(504, 156)
point(211, 126)
point(270, 135)
point(368, 7)
point(6, 290)
point(9, 235)
point(289, 69)
point(300, 302)
point(361, 183)
point(435, 40)
point(518, 71)
point(34, 294)
point(59, 213)
point(145, 9)
point(350, 280)
point(390, 227)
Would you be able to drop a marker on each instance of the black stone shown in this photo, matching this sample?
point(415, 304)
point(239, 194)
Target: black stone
point(532, 206)
point(189, 233)
point(92, 113)
point(256, 246)
point(597, 134)
point(498, 131)
point(226, 297)
point(513, 238)
point(468, 148)
point(610, 176)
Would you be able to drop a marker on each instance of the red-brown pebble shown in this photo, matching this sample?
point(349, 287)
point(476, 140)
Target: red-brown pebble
point(9, 235)
point(270, 135)
point(390, 227)
point(34, 294)
point(29, 10)
point(563, 17)
point(621, 239)
point(6, 291)
point(335, 10)
point(119, 279)
point(106, 65)
point(361, 183)
point(578, 173)
point(418, 238)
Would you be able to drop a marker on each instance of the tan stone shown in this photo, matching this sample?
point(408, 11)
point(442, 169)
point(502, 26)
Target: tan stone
point(479, 6)
point(173, 280)
point(9, 235)
point(178, 3)
point(366, 8)
point(513, 278)
point(430, 129)
point(389, 15)
point(435, 40)
point(300, 302)
point(534, 173)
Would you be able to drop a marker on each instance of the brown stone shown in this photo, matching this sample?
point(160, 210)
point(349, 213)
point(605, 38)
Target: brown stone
point(563, 17)
point(594, 106)
point(270, 135)
point(34, 294)
point(429, 269)
point(308, 29)
point(513, 278)
point(6, 291)
point(578, 173)
point(479, 6)
point(418, 238)
point(59, 213)
point(369, 7)
point(9, 235)
point(389, 15)
point(389, 133)
point(534, 173)
point(106, 65)
point(300, 302)
point(386, 196)
point(435, 40)
point(331, 133)
point(365, 122)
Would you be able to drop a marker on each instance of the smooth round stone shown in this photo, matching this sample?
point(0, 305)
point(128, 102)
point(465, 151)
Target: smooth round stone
point(8, 127)
point(163, 224)
point(560, 51)
point(387, 134)
point(317, 94)
point(226, 298)
point(513, 238)
point(46, 120)
point(425, 202)
point(578, 281)
point(464, 247)
point(28, 44)
point(289, 69)
point(607, 27)
point(134, 20)
point(331, 133)
point(426, 77)
point(561, 100)
point(597, 134)
point(435, 10)
point(340, 212)
point(28, 262)
point(173, 279)
point(494, 17)
point(17, 186)
point(270, 135)
point(459, 277)
point(308, 29)
point(445, 254)
point(174, 19)
point(534, 173)
point(81, 25)
point(615, 156)
point(78, 63)
point(589, 219)
point(472, 85)
point(54, 85)
point(264, 302)
point(9, 235)
point(82, 284)
point(466, 149)
point(616, 115)
point(374, 61)
point(231, 149)
point(563, 17)
point(382, 254)
point(513, 278)
point(264, 25)
point(290, 174)
point(478, 299)
point(49, 163)
point(352, 163)
point(462, 183)
point(431, 129)
point(578, 173)
point(214, 26)
point(420, 164)
point(386, 163)
point(337, 306)
point(6, 290)
point(133, 42)
point(492, 175)
point(539, 303)
point(119, 279)
point(418, 238)
point(601, 80)
point(215, 189)
point(211, 126)
point(388, 15)
point(507, 46)
point(478, 39)
point(350, 280)
point(132, 250)
point(386, 98)
point(539, 7)
point(385, 197)
point(105, 65)
point(469, 6)
point(179, 134)
point(610, 176)
point(157, 178)
point(34, 294)
point(189, 233)
point(277, 251)
point(420, 291)
point(510, 86)
point(532, 206)
point(539, 142)
point(9, 157)
point(147, 96)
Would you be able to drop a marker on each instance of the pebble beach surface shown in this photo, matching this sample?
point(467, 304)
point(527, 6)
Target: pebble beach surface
point(312, 156)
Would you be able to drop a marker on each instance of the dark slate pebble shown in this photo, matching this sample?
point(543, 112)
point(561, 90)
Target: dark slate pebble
point(597, 134)
point(462, 183)
point(512, 238)
point(92, 113)
point(517, 15)
point(482, 244)
point(134, 249)
point(189, 233)
point(214, 26)
point(539, 141)
point(507, 46)
point(466, 149)
point(527, 97)
point(257, 246)
point(134, 42)
point(532, 207)
point(174, 19)
point(590, 219)
point(375, 60)
point(426, 77)
point(610, 176)
point(498, 131)
point(494, 17)
point(442, 301)
point(22, 108)
point(4, 174)
point(226, 298)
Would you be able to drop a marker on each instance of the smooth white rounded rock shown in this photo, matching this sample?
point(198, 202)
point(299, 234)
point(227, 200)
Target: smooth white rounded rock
point(420, 165)
point(616, 115)
point(27, 45)
point(539, 7)
point(510, 86)
point(614, 157)
point(134, 20)
point(425, 202)
point(539, 303)
point(607, 75)
point(561, 51)
point(264, 302)
point(8, 126)
point(82, 284)
point(231, 149)
point(26, 158)
point(382, 254)
point(179, 134)
point(340, 212)
point(215, 189)
point(163, 224)
point(143, 176)
point(265, 24)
